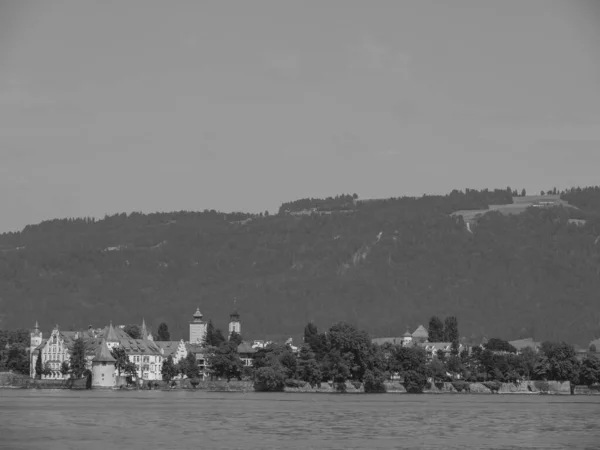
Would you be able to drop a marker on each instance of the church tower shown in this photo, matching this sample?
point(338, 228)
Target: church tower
point(234, 323)
point(35, 340)
point(197, 328)
point(145, 334)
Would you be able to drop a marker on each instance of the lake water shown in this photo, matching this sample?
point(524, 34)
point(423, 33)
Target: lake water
point(90, 420)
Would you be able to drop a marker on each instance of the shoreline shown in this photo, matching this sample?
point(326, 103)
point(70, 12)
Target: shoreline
point(446, 388)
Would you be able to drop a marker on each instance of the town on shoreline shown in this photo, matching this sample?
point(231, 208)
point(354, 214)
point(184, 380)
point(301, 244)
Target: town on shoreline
point(342, 359)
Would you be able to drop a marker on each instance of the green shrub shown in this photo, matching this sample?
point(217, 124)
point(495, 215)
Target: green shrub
point(374, 382)
point(414, 382)
point(270, 379)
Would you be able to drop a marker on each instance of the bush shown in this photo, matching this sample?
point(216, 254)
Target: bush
point(291, 383)
point(461, 386)
point(270, 379)
point(493, 386)
point(414, 382)
point(247, 373)
point(356, 384)
point(374, 382)
point(194, 382)
point(542, 386)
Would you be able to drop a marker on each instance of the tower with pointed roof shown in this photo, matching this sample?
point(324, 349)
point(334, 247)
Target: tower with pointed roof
point(197, 328)
point(35, 340)
point(234, 323)
point(111, 338)
point(146, 335)
point(103, 367)
point(406, 337)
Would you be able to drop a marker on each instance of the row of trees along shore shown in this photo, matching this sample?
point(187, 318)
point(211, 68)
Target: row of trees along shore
point(345, 353)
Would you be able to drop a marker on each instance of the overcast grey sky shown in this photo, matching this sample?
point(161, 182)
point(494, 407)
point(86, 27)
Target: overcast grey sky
point(140, 105)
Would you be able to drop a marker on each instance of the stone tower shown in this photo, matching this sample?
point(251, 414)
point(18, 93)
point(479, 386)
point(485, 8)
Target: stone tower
point(35, 340)
point(197, 328)
point(103, 367)
point(234, 323)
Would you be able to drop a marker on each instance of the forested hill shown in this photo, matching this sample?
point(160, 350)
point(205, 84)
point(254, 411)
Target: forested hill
point(383, 265)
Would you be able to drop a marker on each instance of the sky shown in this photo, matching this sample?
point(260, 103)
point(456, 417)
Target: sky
point(143, 105)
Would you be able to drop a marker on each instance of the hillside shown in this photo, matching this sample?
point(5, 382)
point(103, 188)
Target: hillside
point(381, 264)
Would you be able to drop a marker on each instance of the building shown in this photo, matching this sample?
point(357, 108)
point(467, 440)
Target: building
point(432, 348)
point(406, 338)
point(234, 323)
point(197, 328)
point(594, 346)
point(521, 344)
point(144, 353)
point(420, 335)
point(176, 349)
point(55, 350)
point(103, 367)
point(246, 352)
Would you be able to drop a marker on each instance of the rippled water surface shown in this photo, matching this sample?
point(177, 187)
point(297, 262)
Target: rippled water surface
point(146, 420)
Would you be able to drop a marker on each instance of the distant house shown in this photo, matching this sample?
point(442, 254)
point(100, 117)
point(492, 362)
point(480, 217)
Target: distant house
point(594, 346)
point(176, 349)
point(418, 336)
point(246, 352)
point(521, 344)
point(387, 340)
point(433, 347)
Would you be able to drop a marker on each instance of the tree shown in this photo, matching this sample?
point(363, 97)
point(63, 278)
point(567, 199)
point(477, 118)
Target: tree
point(451, 329)
point(236, 338)
point(523, 193)
point(436, 330)
point(17, 359)
point(437, 370)
point(121, 359)
point(351, 348)
point(317, 342)
point(65, 369)
point(562, 360)
point(168, 369)
point(289, 362)
point(593, 348)
point(414, 381)
point(374, 381)
point(308, 368)
point(214, 337)
point(225, 361)
point(269, 379)
point(133, 331)
point(39, 369)
point(192, 370)
point(218, 337)
point(163, 333)
point(78, 361)
point(209, 337)
point(590, 370)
